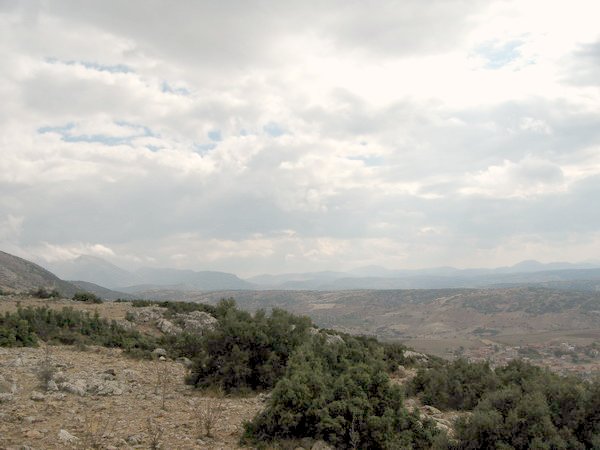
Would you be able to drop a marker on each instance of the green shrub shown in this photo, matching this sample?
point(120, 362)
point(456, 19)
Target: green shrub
point(456, 385)
point(339, 393)
point(87, 297)
point(43, 292)
point(518, 406)
point(247, 352)
point(68, 326)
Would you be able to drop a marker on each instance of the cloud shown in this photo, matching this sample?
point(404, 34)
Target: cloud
point(264, 136)
point(522, 179)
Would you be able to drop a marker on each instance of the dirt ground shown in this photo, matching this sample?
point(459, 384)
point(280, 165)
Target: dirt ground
point(35, 417)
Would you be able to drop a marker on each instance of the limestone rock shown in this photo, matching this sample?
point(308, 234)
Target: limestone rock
point(197, 322)
point(6, 397)
point(157, 352)
point(135, 439)
point(334, 339)
point(105, 387)
point(147, 314)
point(167, 327)
point(187, 362)
point(415, 355)
point(67, 437)
point(34, 434)
point(78, 387)
point(37, 396)
point(321, 445)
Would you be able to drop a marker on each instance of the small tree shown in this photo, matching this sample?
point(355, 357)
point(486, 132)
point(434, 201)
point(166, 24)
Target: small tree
point(87, 297)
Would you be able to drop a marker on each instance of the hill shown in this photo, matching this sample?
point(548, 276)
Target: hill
point(18, 274)
point(93, 270)
point(102, 292)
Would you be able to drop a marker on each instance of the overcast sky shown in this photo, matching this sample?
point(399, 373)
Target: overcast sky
point(280, 136)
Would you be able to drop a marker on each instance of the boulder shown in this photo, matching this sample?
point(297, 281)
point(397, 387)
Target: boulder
point(146, 314)
point(6, 397)
point(167, 327)
point(415, 355)
point(105, 387)
point(197, 322)
point(77, 387)
point(158, 352)
point(66, 437)
point(187, 362)
point(334, 339)
point(37, 396)
point(321, 445)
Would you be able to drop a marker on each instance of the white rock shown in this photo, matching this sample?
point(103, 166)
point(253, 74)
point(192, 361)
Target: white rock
point(78, 387)
point(37, 396)
point(6, 397)
point(167, 327)
point(65, 436)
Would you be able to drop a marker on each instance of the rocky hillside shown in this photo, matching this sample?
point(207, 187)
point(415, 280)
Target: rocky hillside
point(20, 275)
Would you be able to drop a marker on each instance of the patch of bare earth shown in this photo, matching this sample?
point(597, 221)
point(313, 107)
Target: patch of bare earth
point(126, 412)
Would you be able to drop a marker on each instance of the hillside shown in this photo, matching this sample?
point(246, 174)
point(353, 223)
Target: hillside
point(18, 274)
point(94, 270)
point(102, 292)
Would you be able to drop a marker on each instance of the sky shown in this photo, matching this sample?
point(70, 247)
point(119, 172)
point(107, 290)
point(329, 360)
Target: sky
point(268, 136)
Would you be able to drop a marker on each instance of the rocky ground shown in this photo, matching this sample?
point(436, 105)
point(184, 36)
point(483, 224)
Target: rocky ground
point(101, 398)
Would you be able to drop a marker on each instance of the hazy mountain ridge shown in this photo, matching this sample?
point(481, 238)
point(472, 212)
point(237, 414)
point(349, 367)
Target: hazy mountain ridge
point(18, 274)
point(101, 272)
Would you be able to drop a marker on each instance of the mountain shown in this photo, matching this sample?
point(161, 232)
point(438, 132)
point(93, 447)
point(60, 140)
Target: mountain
point(94, 270)
point(19, 275)
point(191, 280)
point(102, 292)
point(103, 273)
point(564, 275)
point(100, 272)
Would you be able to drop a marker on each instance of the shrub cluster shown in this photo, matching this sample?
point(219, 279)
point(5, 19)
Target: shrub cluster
point(43, 292)
point(340, 392)
point(86, 297)
point(519, 406)
point(23, 327)
point(245, 351)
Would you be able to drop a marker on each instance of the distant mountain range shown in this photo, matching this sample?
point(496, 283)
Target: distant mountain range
point(109, 281)
point(558, 275)
point(99, 271)
point(584, 276)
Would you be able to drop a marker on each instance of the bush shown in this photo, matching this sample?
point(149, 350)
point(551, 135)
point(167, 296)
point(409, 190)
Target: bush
point(67, 326)
point(43, 292)
point(457, 385)
point(519, 406)
point(87, 297)
point(339, 393)
point(246, 352)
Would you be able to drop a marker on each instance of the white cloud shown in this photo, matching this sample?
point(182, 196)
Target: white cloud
point(265, 136)
point(528, 177)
